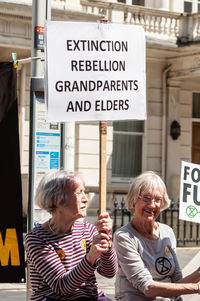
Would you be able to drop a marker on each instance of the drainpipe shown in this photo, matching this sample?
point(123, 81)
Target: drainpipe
point(164, 122)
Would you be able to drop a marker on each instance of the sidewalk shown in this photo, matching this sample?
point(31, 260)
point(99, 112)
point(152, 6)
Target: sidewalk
point(13, 291)
point(189, 259)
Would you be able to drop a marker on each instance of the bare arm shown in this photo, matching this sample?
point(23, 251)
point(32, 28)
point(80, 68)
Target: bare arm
point(194, 277)
point(184, 286)
point(168, 290)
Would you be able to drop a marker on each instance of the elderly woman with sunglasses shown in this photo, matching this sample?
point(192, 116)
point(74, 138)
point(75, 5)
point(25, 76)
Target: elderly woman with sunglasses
point(148, 266)
point(64, 252)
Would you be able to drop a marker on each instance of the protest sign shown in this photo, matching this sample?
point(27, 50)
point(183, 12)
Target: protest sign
point(94, 71)
point(190, 192)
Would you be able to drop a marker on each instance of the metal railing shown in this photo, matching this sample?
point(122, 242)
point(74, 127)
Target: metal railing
point(187, 233)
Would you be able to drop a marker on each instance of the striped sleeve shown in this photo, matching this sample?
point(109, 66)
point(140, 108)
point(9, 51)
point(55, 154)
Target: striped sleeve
point(52, 271)
point(108, 263)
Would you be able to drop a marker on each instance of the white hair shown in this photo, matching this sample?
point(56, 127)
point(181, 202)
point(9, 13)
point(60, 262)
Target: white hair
point(146, 182)
point(52, 189)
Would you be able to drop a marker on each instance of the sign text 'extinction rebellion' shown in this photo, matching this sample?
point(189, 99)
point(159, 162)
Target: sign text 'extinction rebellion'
point(94, 71)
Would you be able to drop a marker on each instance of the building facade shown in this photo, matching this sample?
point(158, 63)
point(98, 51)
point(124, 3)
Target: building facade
point(172, 31)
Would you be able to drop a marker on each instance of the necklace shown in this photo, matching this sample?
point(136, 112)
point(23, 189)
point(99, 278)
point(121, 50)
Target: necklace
point(54, 232)
point(50, 227)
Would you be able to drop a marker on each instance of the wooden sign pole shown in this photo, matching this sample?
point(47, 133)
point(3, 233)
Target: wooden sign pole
point(102, 166)
point(102, 158)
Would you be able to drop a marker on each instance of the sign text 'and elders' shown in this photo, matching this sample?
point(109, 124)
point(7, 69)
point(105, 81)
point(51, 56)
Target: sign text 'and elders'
point(94, 71)
point(190, 192)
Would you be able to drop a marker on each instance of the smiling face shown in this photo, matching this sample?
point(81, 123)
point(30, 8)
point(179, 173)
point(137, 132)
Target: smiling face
point(148, 204)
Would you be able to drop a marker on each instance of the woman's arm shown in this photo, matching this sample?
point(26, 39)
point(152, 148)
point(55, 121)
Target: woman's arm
point(177, 277)
point(130, 262)
point(181, 286)
point(108, 263)
point(168, 290)
point(193, 277)
point(135, 271)
point(49, 266)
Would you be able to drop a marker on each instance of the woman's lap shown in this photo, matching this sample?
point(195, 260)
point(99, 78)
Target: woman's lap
point(102, 298)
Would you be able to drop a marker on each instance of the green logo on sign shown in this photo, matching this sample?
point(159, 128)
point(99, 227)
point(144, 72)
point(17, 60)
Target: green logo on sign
point(191, 211)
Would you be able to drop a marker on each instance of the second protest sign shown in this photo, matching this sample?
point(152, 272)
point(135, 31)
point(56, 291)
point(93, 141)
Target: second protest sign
point(189, 192)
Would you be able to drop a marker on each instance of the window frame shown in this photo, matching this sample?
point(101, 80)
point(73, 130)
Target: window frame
point(139, 4)
point(195, 6)
point(125, 180)
point(193, 120)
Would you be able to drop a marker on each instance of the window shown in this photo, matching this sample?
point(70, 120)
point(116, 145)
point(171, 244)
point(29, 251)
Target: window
point(134, 2)
point(138, 2)
point(195, 105)
point(127, 150)
point(196, 128)
point(187, 6)
point(191, 6)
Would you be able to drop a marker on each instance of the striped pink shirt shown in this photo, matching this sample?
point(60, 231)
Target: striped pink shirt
point(68, 275)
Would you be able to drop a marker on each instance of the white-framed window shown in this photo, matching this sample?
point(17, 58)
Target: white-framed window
point(187, 6)
point(138, 2)
point(191, 6)
point(134, 2)
point(128, 143)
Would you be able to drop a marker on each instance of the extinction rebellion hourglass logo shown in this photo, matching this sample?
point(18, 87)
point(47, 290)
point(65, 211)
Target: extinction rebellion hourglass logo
point(163, 265)
point(192, 211)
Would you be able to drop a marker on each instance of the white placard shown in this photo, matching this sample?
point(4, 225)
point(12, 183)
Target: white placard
point(190, 192)
point(94, 71)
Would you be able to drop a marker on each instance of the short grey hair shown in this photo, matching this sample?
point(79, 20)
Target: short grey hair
point(51, 190)
point(143, 183)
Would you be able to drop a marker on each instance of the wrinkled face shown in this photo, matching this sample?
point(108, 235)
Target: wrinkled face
point(147, 206)
point(77, 201)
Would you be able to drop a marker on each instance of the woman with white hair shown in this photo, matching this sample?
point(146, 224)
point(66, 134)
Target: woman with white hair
point(148, 266)
point(64, 252)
